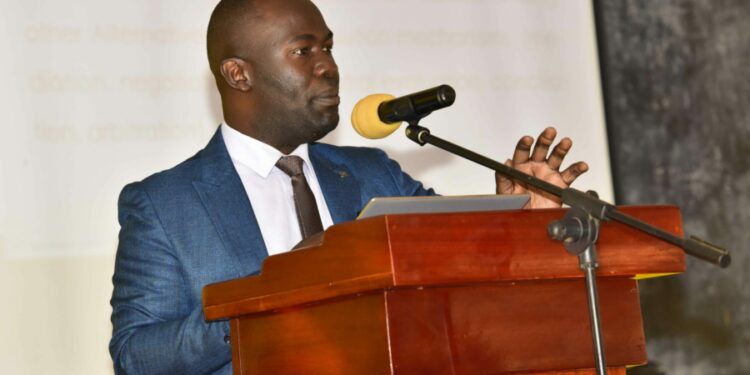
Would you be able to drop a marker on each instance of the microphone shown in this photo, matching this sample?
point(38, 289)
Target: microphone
point(379, 115)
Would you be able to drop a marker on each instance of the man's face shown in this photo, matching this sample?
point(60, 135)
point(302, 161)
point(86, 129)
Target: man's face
point(295, 75)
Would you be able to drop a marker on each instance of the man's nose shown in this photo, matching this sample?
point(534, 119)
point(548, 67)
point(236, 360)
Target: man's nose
point(326, 67)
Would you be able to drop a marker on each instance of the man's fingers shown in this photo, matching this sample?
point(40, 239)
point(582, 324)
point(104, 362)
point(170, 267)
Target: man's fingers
point(558, 153)
point(542, 144)
point(503, 185)
point(571, 173)
point(521, 154)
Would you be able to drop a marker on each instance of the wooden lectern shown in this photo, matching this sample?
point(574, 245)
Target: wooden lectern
point(458, 293)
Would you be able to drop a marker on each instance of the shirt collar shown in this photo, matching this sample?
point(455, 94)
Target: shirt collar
point(254, 154)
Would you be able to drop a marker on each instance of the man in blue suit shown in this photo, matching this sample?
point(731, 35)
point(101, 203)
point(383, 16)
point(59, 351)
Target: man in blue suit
point(217, 215)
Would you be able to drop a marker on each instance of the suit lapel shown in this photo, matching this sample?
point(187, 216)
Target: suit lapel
point(222, 193)
point(340, 189)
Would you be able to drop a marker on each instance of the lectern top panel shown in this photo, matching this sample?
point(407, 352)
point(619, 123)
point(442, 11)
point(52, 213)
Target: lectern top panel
point(443, 249)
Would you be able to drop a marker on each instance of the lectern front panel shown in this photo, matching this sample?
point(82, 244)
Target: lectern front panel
point(511, 327)
point(339, 337)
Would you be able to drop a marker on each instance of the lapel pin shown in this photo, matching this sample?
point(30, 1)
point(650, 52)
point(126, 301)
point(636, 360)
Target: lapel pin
point(343, 174)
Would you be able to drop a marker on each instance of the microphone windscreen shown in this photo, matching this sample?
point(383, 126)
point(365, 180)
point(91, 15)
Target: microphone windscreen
point(366, 121)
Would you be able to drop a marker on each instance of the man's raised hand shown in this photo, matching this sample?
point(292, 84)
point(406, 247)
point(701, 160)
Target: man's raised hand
point(540, 165)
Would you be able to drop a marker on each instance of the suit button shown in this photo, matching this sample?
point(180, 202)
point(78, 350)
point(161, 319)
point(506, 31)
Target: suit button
point(227, 340)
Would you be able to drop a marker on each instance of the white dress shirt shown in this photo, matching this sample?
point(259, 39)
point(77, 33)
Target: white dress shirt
point(270, 190)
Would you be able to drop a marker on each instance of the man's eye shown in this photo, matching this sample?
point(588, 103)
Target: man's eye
point(300, 51)
point(328, 49)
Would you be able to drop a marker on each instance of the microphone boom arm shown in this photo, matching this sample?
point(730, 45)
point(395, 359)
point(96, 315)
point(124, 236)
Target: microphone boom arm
point(598, 208)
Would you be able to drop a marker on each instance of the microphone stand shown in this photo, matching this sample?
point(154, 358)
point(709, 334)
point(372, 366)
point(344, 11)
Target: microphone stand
point(579, 229)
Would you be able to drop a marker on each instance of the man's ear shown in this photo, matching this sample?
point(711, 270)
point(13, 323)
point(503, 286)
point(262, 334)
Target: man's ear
point(237, 73)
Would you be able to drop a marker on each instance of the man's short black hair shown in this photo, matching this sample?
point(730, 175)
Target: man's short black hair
point(224, 38)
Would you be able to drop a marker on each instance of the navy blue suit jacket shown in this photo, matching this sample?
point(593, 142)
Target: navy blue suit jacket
point(193, 225)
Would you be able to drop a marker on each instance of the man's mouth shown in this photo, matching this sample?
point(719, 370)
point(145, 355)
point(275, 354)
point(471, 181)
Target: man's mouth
point(328, 100)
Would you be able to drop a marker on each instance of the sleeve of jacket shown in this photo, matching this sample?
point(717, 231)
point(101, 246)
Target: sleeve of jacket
point(158, 328)
point(406, 185)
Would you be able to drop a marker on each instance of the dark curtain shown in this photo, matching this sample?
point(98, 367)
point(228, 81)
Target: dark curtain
point(676, 80)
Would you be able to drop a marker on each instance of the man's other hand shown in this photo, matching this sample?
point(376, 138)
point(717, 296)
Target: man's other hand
point(540, 165)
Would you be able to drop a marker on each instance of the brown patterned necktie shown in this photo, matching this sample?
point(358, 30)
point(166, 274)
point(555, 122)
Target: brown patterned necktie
point(304, 200)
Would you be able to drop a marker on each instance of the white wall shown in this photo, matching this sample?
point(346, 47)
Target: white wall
point(96, 94)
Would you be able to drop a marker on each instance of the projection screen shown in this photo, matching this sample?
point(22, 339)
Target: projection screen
point(97, 94)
